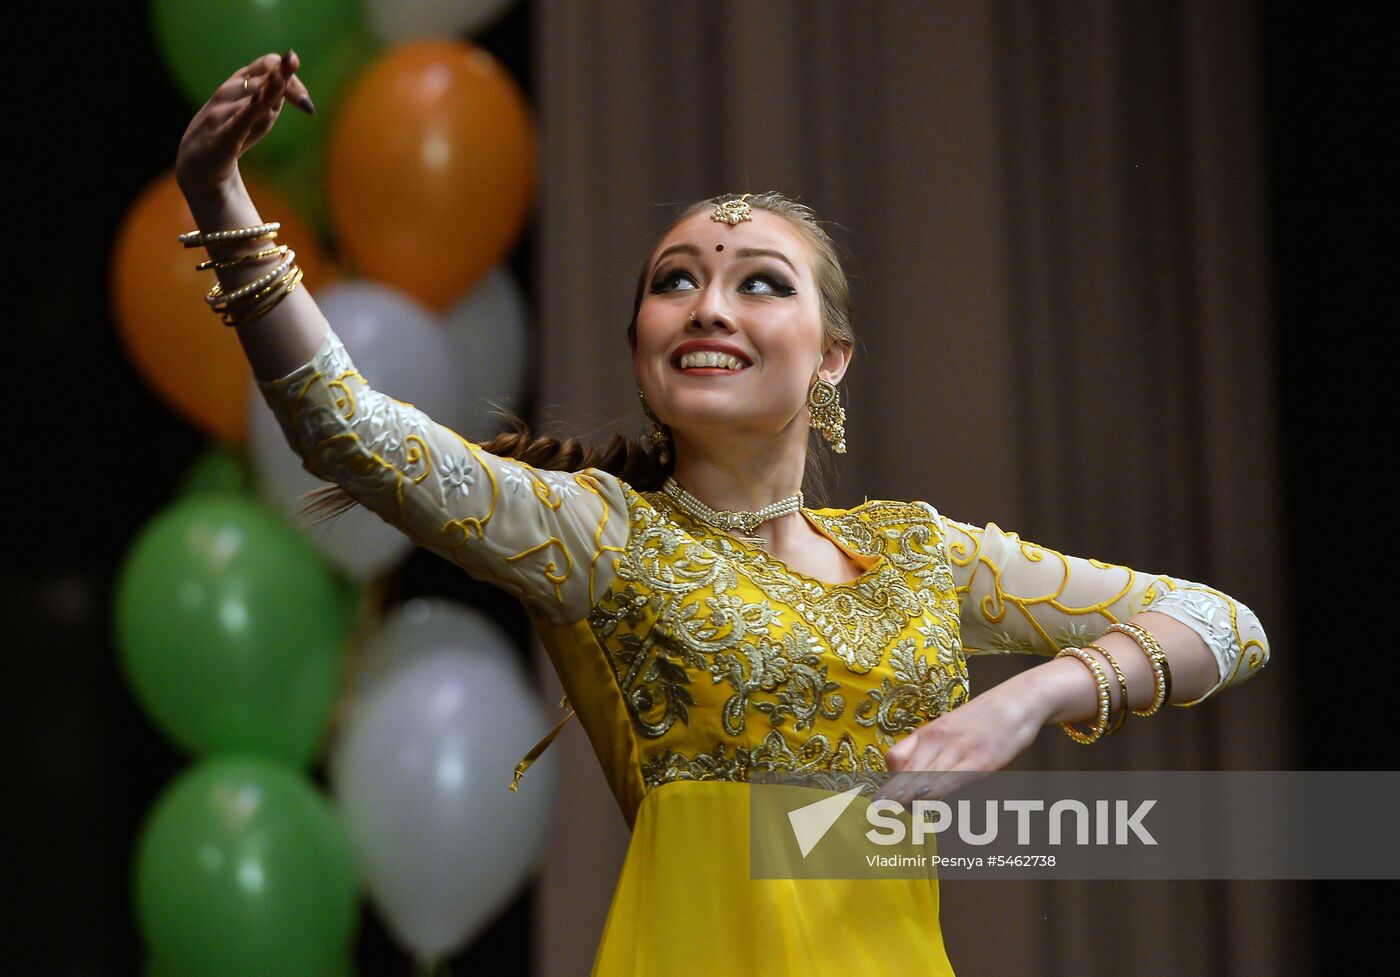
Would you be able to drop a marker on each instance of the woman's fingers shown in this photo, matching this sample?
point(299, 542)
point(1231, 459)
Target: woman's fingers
point(297, 92)
point(271, 97)
point(231, 131)
point(234, 88)
point(246, 117)
point(258, 87)
point(293, 87)
point(266, 65)
point(284, 84)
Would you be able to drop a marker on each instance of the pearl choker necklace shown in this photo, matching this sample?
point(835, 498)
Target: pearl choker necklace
point(745, 522)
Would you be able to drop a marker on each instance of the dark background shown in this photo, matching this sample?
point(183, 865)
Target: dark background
point(99, 455)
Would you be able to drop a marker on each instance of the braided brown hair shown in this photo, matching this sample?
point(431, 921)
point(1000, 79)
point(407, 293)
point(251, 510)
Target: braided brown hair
point(634, 460)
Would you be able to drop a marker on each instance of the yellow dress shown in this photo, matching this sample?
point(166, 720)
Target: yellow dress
point(693, 659)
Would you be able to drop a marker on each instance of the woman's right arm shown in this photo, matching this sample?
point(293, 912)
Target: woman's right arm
point(546, 536)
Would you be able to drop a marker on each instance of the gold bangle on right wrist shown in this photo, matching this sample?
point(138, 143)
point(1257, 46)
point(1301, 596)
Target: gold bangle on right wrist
point(242, 259)
point(250, 300)
point(285, 287)
point(241, 305)
point(216, 297)
point(1100, 724)
point(198, 238)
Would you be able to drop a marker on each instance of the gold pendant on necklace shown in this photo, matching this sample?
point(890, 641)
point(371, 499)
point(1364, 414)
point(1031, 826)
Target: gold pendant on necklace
point(740, 524)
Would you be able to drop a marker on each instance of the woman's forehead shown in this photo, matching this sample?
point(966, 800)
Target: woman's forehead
point(766, 230)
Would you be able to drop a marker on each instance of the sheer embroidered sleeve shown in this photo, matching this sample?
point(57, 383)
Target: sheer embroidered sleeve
point(1018, 596)
point(548, 537)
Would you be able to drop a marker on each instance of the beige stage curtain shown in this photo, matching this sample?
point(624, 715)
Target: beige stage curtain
point(1056, 215)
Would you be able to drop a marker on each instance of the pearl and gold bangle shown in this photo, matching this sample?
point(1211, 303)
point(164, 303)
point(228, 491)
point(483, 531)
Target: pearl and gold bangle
point(282, 280)
point(290, 282)
point(250, 301)
point(1161, 670)
point(216, 298)
point(197, 238)
point(1100, 726)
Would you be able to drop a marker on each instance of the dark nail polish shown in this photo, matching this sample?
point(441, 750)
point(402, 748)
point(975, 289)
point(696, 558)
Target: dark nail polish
point(306, 103)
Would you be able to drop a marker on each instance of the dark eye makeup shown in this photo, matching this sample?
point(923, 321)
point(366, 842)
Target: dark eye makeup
point(665, 278)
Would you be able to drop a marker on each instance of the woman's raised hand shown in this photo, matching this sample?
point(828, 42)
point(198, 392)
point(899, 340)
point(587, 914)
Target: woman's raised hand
point(241, 111)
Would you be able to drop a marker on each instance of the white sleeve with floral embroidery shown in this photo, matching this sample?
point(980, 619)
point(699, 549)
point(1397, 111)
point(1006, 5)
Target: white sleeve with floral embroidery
point(1018, 596)
point(545, 536)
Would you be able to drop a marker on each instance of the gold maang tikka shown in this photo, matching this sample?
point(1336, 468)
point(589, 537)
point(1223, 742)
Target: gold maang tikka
point(733, 211)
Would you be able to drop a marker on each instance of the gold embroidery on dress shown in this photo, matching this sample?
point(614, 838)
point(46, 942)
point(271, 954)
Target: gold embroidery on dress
point(792, 669)
point(860, 618)
point(838, 766)
point(677, 614)
point(924, 689)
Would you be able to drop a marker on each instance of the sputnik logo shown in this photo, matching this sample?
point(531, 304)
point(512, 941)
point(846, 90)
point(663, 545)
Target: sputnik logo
point(811, 822)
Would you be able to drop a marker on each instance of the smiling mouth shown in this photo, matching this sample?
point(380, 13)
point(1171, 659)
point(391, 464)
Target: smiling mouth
point(709, 362)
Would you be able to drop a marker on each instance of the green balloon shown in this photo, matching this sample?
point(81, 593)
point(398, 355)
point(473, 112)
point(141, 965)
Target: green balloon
point(218, 468)
point(242, 867)
point(301, 179)
point(203, 43)
point(231, 629)
point(343, 967)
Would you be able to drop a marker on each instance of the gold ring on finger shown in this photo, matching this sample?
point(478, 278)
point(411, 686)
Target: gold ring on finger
point(245, 84)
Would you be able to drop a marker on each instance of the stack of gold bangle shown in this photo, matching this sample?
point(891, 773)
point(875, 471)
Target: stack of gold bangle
point(241, 305)
point(1100, 726)
point(1162, 681)
point(1161, 671)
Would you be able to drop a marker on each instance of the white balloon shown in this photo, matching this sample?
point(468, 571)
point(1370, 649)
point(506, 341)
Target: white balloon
point(393, 21)
point(402, 351)
point(423, 625)
point(489, 331)
point(422, 769)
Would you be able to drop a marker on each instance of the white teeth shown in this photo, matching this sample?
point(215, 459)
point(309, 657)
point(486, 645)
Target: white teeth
point(711, 359)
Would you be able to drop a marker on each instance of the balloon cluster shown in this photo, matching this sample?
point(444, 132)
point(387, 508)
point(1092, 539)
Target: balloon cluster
point(258, 645)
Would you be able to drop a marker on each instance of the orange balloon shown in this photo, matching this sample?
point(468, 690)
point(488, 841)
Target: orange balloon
point(430, 169)
point(177, 343)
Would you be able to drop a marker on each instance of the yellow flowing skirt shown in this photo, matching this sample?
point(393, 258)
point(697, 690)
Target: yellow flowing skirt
point(685, 905)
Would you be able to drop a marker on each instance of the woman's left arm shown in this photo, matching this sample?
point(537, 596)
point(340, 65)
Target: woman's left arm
point(1020, 597)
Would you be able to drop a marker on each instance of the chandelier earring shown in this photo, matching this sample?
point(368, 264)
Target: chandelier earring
point(828, 416)
point(657, 435)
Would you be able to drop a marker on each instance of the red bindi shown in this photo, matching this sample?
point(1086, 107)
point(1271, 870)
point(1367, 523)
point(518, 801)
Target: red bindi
point(719, 247)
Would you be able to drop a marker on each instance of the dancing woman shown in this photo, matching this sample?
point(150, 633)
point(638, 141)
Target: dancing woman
point(705, 623)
